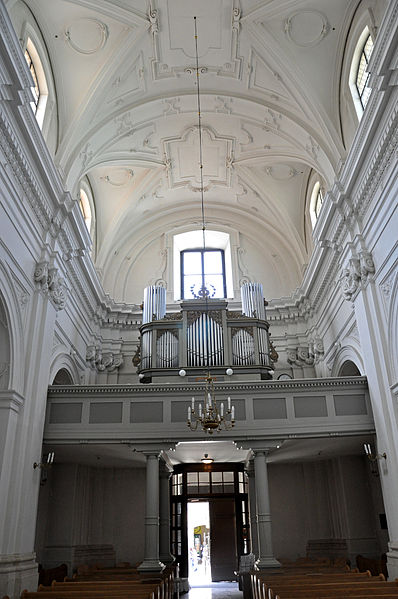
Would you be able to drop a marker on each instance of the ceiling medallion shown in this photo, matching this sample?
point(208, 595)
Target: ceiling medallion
point(306, 28)
point(86, 36)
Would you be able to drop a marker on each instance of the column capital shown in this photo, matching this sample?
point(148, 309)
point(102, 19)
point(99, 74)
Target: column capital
point(165, 471)
point(152, 448)
point(260, 446)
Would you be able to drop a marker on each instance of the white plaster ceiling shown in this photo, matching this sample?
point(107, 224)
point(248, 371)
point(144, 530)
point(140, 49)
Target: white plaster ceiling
point(127, 118)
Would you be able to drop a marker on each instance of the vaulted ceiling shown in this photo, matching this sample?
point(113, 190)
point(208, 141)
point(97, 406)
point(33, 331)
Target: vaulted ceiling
point(125, 80)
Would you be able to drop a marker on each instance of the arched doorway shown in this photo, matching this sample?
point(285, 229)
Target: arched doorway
point(226, 536)
point(349, 368)
point(63, 377)
point(4, 349)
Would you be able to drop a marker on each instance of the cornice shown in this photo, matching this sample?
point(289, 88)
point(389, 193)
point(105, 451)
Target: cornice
point(266, 386)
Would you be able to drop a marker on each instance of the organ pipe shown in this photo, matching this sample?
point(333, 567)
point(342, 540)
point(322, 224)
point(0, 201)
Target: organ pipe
point(253, 300)
point(154, 303)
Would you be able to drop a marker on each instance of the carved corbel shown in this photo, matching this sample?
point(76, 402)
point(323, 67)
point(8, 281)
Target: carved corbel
point(57, 288)
point(41, 275)
point(350, 279)
point(367, 266)
point(101, 361)
point(50, 282)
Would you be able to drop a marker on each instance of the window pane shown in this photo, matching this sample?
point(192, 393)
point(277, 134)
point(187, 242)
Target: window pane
point(215, 285)
point(204, 482)
point(213, 263)
point(194, 282)
point(192, 478)
point(192, 263)
point(228, 482)
point(192, 482)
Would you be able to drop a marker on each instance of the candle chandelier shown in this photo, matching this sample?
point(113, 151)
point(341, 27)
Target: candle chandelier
point(210, 415)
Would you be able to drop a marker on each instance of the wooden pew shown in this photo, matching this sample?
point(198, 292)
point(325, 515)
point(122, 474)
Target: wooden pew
point(266, 586)
point(165, 586)
point(140, 592)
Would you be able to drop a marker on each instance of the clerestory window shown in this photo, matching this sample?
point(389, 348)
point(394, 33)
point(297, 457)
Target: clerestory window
point(86, 209)
point(203, 273)
point(359, 76)
point(316, 202)
point(35, 88)
point(39, 88)
point(362, 74)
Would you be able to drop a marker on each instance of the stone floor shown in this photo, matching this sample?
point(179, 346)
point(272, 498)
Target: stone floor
point(215, 590)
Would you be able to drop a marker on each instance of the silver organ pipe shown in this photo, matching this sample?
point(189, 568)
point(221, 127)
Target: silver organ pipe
point(154, 309)
point(263, 346)
point(242, 348)
point(205, 342)
point(253, 300)
point(154, 303)
point(167, 350)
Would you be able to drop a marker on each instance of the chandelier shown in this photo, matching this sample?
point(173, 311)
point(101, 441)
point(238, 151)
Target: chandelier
point(210, 415)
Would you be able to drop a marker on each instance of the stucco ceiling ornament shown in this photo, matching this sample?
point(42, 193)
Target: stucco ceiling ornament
point(281, 172)
point(126, 176)
point(87, 36)
point(306, 28)
point(172, 56)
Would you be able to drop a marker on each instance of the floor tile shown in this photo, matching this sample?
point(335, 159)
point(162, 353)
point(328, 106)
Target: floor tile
point(217, 590)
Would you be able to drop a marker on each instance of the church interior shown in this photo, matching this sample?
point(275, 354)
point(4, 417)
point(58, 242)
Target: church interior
point(198, 285)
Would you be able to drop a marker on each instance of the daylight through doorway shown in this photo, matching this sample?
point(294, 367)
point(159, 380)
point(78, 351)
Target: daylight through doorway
point(198, 533)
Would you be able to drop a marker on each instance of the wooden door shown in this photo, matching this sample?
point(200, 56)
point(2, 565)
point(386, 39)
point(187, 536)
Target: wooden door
point(223, 555)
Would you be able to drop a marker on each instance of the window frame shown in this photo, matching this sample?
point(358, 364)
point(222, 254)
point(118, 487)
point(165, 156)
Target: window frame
point(39, 80)
point(316, 201)
point(357, 98)
point(202, 251)
point(367, 59)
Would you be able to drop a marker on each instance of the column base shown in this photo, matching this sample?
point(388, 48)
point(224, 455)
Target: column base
point(151, 565)
point(18, 571)
point(167, 559)
point(392, 561)
point(264, 563)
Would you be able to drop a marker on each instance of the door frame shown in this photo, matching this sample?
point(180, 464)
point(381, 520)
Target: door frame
point(183, 489)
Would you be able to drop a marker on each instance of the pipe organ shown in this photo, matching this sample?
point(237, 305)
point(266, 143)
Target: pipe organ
point(205, 334)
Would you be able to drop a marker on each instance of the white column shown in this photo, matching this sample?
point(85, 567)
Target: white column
point(266, 557)
point(253, 509)
point(164, 537)
point(372, 333)
point(151, 561)
point(21, 431)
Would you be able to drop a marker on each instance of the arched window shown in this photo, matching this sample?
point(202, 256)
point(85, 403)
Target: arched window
point(86, 209)
point(39, 88)
point(359, 76)
point(316, 202)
